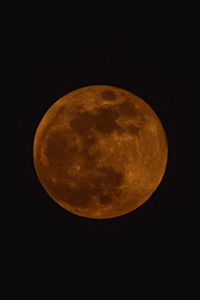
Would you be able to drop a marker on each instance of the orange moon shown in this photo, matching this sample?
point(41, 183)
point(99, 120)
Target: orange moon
point(100, 151)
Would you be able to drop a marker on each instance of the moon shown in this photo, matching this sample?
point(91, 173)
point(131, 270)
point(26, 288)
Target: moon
point(100, 151)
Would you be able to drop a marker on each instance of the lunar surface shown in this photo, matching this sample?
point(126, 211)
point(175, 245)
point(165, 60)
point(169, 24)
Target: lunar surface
point(100, 151)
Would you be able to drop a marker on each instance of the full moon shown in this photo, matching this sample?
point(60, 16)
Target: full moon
point(100, 151)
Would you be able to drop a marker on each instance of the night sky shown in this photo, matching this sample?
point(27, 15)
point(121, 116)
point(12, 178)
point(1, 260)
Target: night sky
point(49, 50)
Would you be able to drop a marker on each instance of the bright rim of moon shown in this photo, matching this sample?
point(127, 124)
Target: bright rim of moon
point(100, 151)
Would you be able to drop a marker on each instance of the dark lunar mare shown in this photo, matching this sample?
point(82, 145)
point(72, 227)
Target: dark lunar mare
point(108, 95)
point(102, 182)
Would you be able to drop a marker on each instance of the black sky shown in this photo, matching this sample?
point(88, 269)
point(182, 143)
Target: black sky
point(49, 49)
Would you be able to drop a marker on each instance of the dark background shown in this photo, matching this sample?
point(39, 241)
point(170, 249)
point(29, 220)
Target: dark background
point(51, 49)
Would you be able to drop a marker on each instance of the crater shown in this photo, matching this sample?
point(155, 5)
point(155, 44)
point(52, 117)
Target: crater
point(108, 95)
